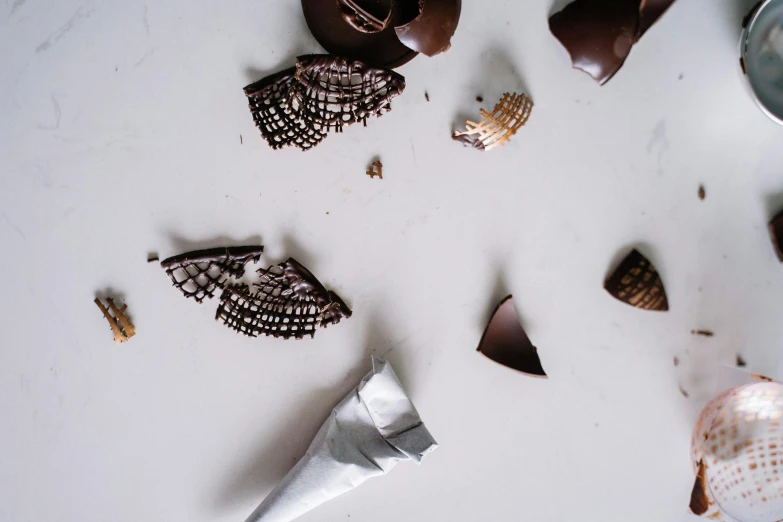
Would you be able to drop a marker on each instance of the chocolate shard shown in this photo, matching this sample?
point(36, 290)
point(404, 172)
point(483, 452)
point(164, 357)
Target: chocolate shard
point(700, 502)
point(776, 234)
point(376, 169)
point(505, 341)
point(430, 33)
point(497, 127)
point(636, 282)
point(289, 302)
point(362, 29)
point(300, 106)
point(198, 274)
point(119, 323)
point(599, 34)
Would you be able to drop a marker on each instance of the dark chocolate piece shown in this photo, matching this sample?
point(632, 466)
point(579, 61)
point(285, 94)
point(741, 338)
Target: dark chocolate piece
point(197, 274)
point(599, 34)
point(497, 127)
point(636, 282)
point(431, 31)
point(684, 392)
point(120, 325)
point(426, 96)
point(153, 258)
point(702, 192)
point(323, 93)
point(289, 302)
point(505, 341)
point(700, 502)
point(776, 234)
point(342, 30)
point(741, 362)
point(703, 333)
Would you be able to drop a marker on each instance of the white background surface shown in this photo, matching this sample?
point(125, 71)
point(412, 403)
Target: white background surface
point(120, 135)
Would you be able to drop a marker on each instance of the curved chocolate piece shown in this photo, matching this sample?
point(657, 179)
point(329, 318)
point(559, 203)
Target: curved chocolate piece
point(636, 282)
point(599, 34)
point(430, 33)
point(700, 502)
point(367, 16)
point(289, 302)
point(335, 28)
point(197, 274)
point(505, 341)
point(776, 234)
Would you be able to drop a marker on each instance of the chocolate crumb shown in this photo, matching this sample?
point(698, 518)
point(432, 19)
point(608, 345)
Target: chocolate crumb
point(376, 169)
point(240, 140)
point(676, 361)
point(702, 192)
point(479, 98)
point(741, 362)
point(153, 258)
point(683, 392)
point(703, 333)
point(681, 76)
point(426, 96)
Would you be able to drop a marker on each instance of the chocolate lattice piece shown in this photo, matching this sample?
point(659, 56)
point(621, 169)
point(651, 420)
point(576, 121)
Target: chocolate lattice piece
point(197, 274)
point(497, 127)
point(323, 93)
point(636, 282)
point(288, 302)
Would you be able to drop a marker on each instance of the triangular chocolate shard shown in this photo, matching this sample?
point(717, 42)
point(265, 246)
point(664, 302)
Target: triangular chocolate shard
point(636, 282)
point(505, 341)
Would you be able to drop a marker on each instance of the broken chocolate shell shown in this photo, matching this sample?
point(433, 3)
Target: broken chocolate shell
point(505, 341)
point(700, 502)
point(497, 127)
point(198, 274)
point(289, 302)
point(776, 235)
point(430, 33)
point(351, 28)
point(119, 323)
point(636, 282)
point(300, 106)
point(599, 34)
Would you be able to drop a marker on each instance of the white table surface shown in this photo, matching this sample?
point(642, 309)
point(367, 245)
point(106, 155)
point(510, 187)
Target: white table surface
point(120, 136)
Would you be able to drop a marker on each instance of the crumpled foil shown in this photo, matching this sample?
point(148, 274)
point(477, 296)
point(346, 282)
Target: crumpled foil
point(368, 433)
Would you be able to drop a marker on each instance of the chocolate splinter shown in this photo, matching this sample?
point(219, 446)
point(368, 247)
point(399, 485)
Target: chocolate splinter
point(636, 282)
point(505, 341)
point(599, 34)
point(430, 33)
point(776, 234)
point(120, 325)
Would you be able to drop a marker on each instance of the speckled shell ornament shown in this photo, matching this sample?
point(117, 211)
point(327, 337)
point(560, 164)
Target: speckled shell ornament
point(737, 455)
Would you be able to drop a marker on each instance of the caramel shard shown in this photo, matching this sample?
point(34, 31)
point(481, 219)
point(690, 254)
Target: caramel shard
point(636, 282)
point(376, 169)
point(198, 274)
point(505, 341)
point(300, 106)
point(497, 127)
point(120, 325)
point(289, 302)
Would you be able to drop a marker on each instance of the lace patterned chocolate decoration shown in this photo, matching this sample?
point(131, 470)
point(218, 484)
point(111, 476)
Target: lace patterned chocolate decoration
point(376, 169)
point(636, 282)
point(288, 302)
point(197, 274)
point(120, 325)
point(497, 127)
point(323, 93)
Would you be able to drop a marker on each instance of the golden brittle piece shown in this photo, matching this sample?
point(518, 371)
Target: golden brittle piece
point(497, 127)
point(120, 325)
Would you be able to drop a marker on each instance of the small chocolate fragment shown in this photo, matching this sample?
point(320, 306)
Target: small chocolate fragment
point(776, 234)
point(431, 31)
point(700, 502)
point(334, 24)
point(153, 258)
point(480, 99)
point(683, 392)
point(702, 192)
point(703, 333)
point(426, 96)
point(599, 34)
point(289, 302)
point(120, 325)
point(197, 274)
point(497, 127)
point(376, 169)
point(505, 341)
point(741, 362)
point(636, 282)
point(323, 93)
point(676, 361)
